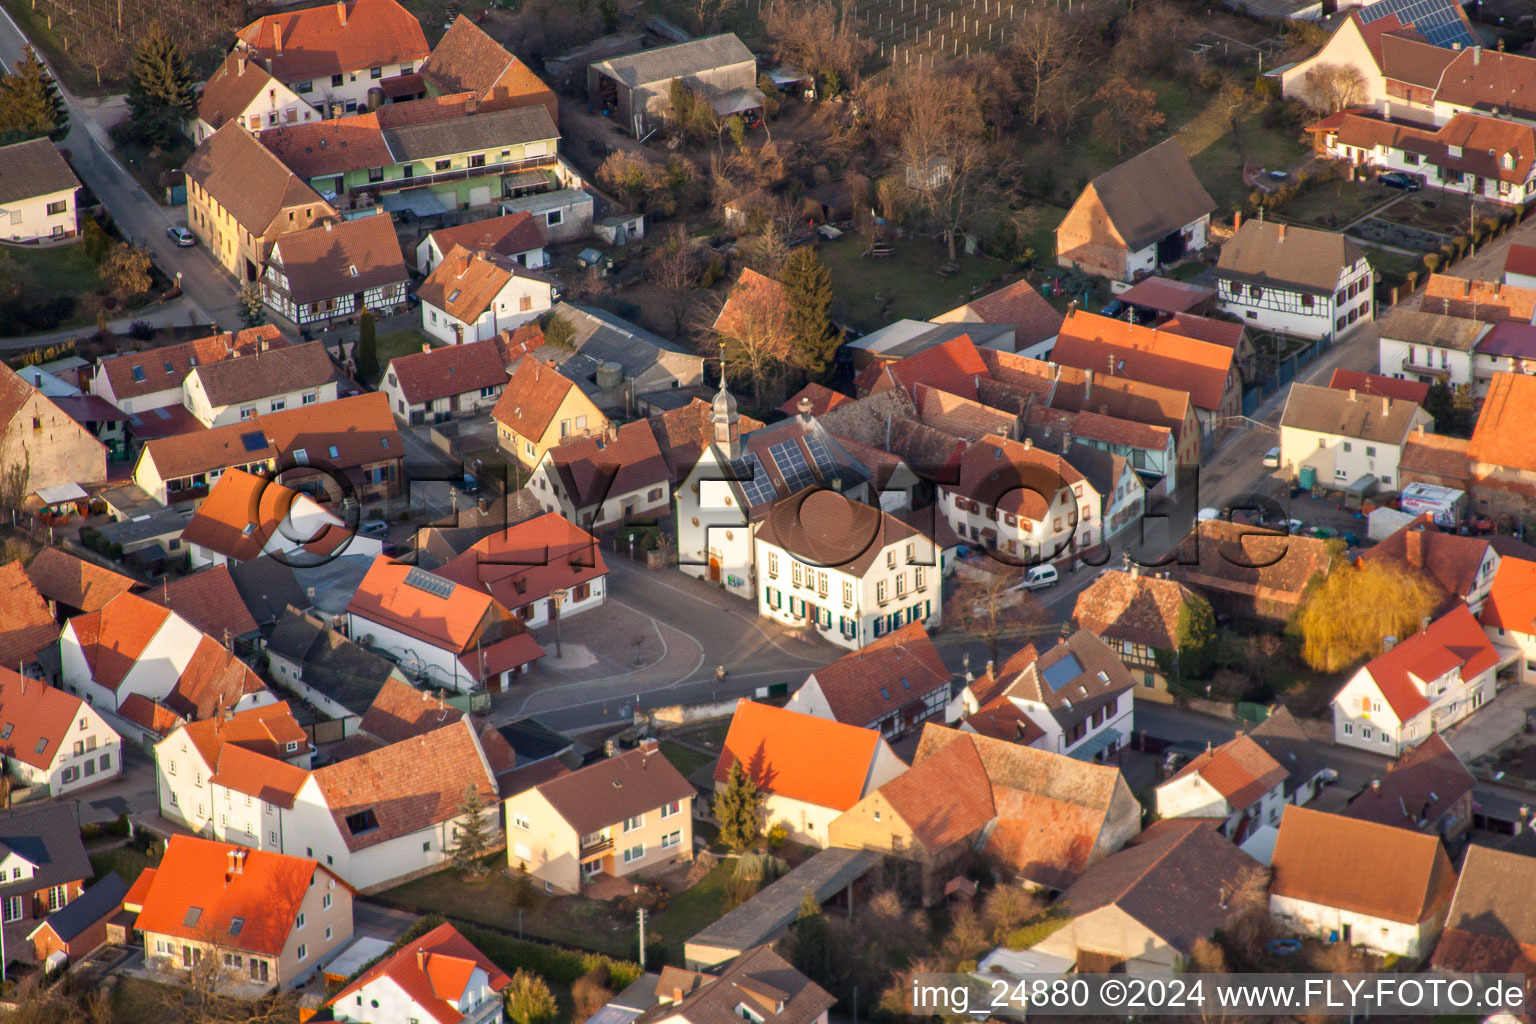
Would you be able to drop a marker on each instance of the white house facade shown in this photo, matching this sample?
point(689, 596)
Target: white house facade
point(519, 300)
point(1015, 517)
point(153, 672)
point(1312, 284)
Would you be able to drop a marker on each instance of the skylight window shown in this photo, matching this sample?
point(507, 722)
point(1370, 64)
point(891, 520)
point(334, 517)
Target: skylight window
point(5, 733)
point(352, 270)
point(235, 925)
point(885, 693)
point(42, 745)
point(193, 914)
point(335, 453)
point(138, 373)
point(455, 296)
point(168, 367)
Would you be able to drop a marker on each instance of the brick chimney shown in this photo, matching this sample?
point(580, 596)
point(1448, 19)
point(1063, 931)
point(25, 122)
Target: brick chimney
point(677, 993)
point(277, 37)
point(804, 407)
point(1281, 232)
point(1352, 395)
point(1386, 406)
point(1415, 547)
point(1087, 385)
point(341, 12)
point(421, 959)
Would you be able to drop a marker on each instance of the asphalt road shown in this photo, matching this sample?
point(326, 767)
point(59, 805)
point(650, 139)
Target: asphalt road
point(137, 215)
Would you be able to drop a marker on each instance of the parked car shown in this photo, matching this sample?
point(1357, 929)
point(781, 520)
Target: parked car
point(1041, 576)
point(374, 528)
point(181, 236)
point(1177, 755)
point(1400, 180)
point(1272, 458)
point(1113, 308)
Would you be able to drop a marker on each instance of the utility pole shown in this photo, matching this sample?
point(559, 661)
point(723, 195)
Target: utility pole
point(642, 938)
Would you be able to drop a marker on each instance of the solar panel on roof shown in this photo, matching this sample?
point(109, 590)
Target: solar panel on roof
point(138, 374)
point(163, 414)
point(1063, 672)
point(1439, 21)
point(792, 465)
point(749, 473)
point(255, 441)
point(820, 456)
point(425, 581)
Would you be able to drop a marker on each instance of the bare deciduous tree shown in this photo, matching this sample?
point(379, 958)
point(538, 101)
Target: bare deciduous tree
point(1046, 47)
point(673, 269)
point(754, 328)
point(818, 40)
point(944, 150)
point(707, 12)
point(1127, 114)
point(1329, 88)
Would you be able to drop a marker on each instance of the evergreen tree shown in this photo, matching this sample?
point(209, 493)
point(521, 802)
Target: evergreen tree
point(808, 291)
point(471, 841)
point(161, 93)
point(253, 312)
point(366, 352)
point(30, 103)
point(739, 809)
point(1196, 636)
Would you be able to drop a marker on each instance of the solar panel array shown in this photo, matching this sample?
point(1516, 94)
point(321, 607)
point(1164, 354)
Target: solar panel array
point(1063, 672)
point(792, 465)
point(1438, 21)
point(254, 441)
point(748, 471)
point(425, 581)
point(819, 455)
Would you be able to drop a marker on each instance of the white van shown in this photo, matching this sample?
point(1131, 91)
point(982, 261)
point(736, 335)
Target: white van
point(1040, 576)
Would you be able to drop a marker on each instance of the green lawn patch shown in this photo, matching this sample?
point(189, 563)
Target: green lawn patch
point(685, 759)
point(691, 910)
point(1218, 157)
point(874, 292)
point(1393, 266)
point(126, 861)
point(55, 274)
point(403, 342)
point(1335, 203)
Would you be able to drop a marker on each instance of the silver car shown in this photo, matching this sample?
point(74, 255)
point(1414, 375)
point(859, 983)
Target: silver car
point(181, 236)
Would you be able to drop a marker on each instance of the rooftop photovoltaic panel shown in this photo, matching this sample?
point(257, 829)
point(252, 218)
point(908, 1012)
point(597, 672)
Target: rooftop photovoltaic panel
point(1438, 21)
point(792, 465)
point(1063, 672)
point(821, 456)
point(434, 585)
point(749, 473)
point(255, 441)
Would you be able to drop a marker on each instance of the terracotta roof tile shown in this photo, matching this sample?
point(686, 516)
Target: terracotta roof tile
point(214, 679)
point(532, 398)
point(332, 38)
point(432, 971)
point(753, 300)
point(903, 663)
point(1488, 301)
point(1426, 782)
point(265, 893)
point(1360, 866)
point(1091, 342)
point(400, 712)
point(326, 261)
point(799, 756)
point(1168, 295)
point(1233, 558)
point(1140, 608)
point(26, 624)
point(1034, 319)
point(1453, 642)
point(113, 637)
point(1520, 259)
point(1002, 719)
point(448, 371)
point(507, 235)
point(208, 600)
point(952, 367)
point(616, 788)
point(452, 622)
point(74, 582)
point(468, 60)
point(149, 714)
point(1450, 561)
point(527, 562)
point(1506, 423)
point(823, 400)
point(684, 433)
point(231, 89)
point(135, 374)
point(1203, 328)
point(1508, 339)
point(403, 799)
point(266, 730)
point(962, 417)
point(1483, 143)
point(248, 181)
point(1482, 905)
point(944, 799)
point(1018, 478)
point(34, 714)
point(1100, 679)
point(1511, 603)
point(333, 146)
point(1240, 770)
point(591, 470)
point(1493, 81)
point(1438, 455)
point(1378, 384)
point(244, 513)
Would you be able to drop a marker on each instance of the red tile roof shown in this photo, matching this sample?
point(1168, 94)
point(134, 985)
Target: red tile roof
point(468, 60)
point(1139, 607)
point(1098, 343)
point(1450, 561)
point(1167, 295)
point(155, 717)
point(1240, 770)
point(448, 371)
point(231, 89)
point(452, 622)
point(885, 676)
point(822, 399)
point(465, 284)
point(432, 971)
point(266, 892)
point(1489, 301)
point(532, 399)
point(527, 562)
point(208, 600)
point(1482, 143)
point(1453, 642)
point(1506, 423)
point(1033, 476)
point(74, 582)
point(1438, 455)
point(799, 756)
point(113, 638)
point(390, 783)
point(1034, 319)
point(754, 301)
point(243, 513)
point(1520, 259)
point(962, 417)
point(592, 470)
point(1001, 719)
point(684, 433)
point(1378, 384)
point(123, 371)
point(214, 679)
point(1203, 328)
point(332, 38)
point(331, 260)
point(509, 234)
point(1422, 786)
point(26, 624)
point(265, 730)
point(34, 713)
point(333, 146)
point(952, 367)
point(944, 799)
point(401, 711)
point(1511, 604)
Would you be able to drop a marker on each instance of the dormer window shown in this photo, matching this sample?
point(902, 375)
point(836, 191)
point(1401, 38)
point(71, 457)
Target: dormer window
point(746, 1012)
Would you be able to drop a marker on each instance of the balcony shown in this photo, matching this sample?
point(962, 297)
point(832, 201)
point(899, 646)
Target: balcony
point(593, 847)
point(461, 174)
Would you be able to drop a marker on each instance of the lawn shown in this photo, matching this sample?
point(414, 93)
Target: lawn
point(403, 342)
point(685, 759)
point(1336, 203)
point(125, 860)
point(568, 920)
point(690, 911)
point(63, 270)
point(874, 292)
point(1393, 266)
point(1218, 157)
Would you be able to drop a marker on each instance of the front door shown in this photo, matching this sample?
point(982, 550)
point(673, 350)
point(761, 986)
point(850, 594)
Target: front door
point(714, 570)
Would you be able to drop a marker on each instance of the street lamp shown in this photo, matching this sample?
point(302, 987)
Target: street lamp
point(556, 599)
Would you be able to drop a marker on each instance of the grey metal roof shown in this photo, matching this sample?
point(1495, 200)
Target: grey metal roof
point(766, 915)
point(95, 903)
point(127, 532)
point(50, 838)
point(677, 60)
point(490, 131)
point(542, 202)
point(267, 586)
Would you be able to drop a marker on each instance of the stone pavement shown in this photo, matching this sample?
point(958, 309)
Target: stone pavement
point(1493, 724)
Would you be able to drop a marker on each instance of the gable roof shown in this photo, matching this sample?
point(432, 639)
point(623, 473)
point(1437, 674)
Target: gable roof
point(100, 900)
point(1264, 252)
point(1520, 259)
point(1452, 642)
point(944, 798)
point(135, 374)
point(150, 714)
point(329, 260)
point(196, 895)
point(508, 235)
point(266, 729)
point(1438, 330)
point(1175, 880)
point(824, 528)
point(1168, 295)
point(214, 679)
point(427, 968)
point(753, 300)
point(399, 711)
point(1507, 419)
point(335, 145)
point(1450, 561)
point(1203, 328)
point(1016, 477)
point(487, 130)
point(449, 370)
point(1438, 455)
point(34, 168)
point(74, 582)
point(247, 180)
point(1243, 559)
point(952, 367)
point(231, 89)
point(244, 512)
point(759, 979)
point(1152, 194)
point(961, 417)
point(208, 599)
point(799, 756)
point(887, 675)
point(532, 398)
point(26, 624)
point(616, 788)
point(591, 470)
point(342, 670)
point(466, 282)
point(1034, 319)
point(267, 586)
point(1142, 608)
point(1482, 904)
point(1318, 859)
point(1378, 384)
point(684, 433)
point(1099, 343)
point(1240, 770)
point(404, 799)
point(48, 837)
point(1073, 680)
point(1490, 80)
point(332, 38)
point(1378, 418)
point(113, 637)
point(1511, 602)
point(822, 398)
point(1489, 147)
point(1283, 738)
point(527, 562)
point(678, 60)
point(1490, 301)
point(1426, 782)
point(36, 719)
point(391, 595)
point(466, 59)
